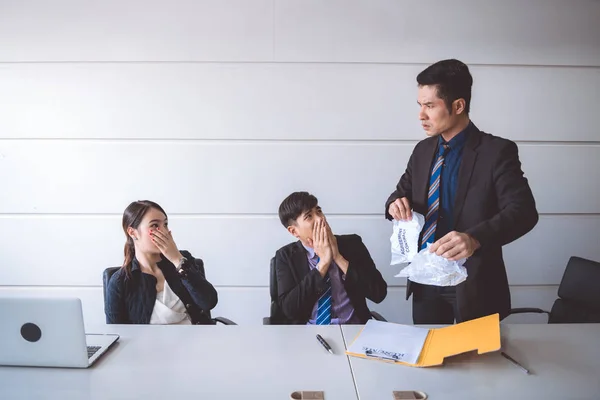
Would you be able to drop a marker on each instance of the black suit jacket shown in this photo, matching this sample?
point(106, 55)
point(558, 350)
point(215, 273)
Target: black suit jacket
point(493, 203)
point(130, 299)
point(299, 287)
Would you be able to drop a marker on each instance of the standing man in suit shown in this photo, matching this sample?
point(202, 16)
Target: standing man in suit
point(471, 189)
point(323, 278)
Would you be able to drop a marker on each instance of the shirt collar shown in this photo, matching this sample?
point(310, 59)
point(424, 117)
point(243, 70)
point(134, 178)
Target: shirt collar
point(310, 251)
point(135, 265)
point(458, 141)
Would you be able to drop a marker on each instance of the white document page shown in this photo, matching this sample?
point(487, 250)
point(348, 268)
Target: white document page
point(389, 341)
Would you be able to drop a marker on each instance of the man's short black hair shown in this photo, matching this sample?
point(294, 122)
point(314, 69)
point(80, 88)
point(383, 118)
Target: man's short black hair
point(453, 81)
point(294, 206)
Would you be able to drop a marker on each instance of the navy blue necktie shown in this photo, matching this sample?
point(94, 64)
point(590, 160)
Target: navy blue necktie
point(324, 305)
point(433, 199)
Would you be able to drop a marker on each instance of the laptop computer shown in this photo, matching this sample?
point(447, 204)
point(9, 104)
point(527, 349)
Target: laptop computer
point(47, 332)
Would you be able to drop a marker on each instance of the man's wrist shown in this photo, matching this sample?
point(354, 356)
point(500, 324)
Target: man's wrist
point(342, 263)
point(323, 267)
point(474, 242)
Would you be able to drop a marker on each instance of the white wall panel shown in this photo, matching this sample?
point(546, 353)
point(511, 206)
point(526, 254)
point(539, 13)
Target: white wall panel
point(136, 30)
point(223, 177)
point(74, 250)
point(394, 308)
point(541, 256)
point(535, 32)
point(556, 32)
point(562, 178)
point(281, 101)
point(245, 306)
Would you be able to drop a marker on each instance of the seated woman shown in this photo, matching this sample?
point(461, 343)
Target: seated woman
point(157, 284)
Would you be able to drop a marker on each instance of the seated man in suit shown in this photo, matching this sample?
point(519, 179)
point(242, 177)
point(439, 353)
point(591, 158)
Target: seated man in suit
point(323, 278)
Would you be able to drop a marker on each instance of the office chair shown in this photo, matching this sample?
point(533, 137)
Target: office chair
point(277, 317)
point(108, 273)
point(578, 292)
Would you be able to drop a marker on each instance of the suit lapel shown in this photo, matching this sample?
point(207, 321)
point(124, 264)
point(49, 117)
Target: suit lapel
point(465, 171)
point(421, 175)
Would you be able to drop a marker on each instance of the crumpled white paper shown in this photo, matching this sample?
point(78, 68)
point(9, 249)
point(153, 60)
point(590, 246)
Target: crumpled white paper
point(430, 269)
point(405, 239)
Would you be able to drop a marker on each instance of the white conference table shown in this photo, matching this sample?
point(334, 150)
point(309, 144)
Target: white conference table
point(271, 362)
point(197, 362)
point(564, 361)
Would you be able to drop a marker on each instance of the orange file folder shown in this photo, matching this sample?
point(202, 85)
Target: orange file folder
point(482, 334)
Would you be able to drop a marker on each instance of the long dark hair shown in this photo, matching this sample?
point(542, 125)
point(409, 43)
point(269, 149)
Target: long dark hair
point(132, 217)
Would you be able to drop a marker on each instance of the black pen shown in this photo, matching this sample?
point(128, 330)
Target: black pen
point(514, 362)
point(324, 343)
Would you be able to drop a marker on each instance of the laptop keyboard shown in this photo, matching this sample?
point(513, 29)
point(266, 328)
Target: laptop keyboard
point(92, 350)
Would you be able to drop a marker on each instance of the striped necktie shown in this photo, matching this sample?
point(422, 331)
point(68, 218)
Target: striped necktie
point(324, 305)
point(433, 198)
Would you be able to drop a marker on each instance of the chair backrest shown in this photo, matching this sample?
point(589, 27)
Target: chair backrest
point(273, 281)
point(277, 317)
point(578, 291)
point(106, 275)
point(581, 281)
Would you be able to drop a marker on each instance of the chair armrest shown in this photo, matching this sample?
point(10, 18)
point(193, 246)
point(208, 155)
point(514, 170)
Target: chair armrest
point(378, 316)
point(224, 320)
point(266, 321)
point(525, 310)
